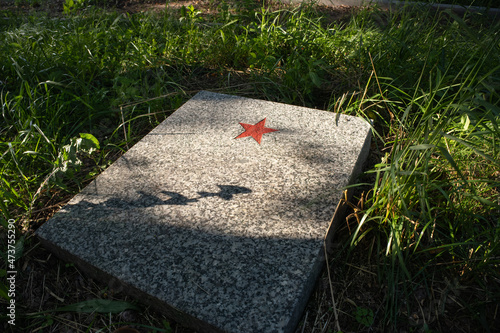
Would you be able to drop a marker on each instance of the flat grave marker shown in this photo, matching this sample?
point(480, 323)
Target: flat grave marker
point(217, 216)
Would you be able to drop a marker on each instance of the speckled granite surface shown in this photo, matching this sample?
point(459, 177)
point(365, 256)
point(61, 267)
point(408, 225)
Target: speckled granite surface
point(226, 232)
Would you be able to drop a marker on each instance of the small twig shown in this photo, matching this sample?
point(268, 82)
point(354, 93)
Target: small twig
point(46, 180)
point(364, 92)
point(29, 286)
point(155, 98)
point(316, 319)
point(201, 288)
point(337, 325)
point(379, 88)
point(371, 251)
point(38, 329)
point(58, 272)
point(73, 324)
point(326, 324)
point(124, 130)
point(54, 295)
point(350, 301)
point(422, 310)
point(43, 261)
point(305, 321)
point(59, 204)
point(43, 295)
point(361, 269)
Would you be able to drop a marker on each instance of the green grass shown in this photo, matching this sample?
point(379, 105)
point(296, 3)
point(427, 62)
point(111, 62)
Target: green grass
point(429, 81)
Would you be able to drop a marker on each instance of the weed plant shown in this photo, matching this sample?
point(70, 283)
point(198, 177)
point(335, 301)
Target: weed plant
point(78, 90)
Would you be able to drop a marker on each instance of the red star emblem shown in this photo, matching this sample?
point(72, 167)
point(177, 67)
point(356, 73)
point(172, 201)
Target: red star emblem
point(255, 131)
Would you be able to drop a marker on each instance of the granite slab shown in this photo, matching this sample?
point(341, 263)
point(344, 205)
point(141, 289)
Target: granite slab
point(199, 219)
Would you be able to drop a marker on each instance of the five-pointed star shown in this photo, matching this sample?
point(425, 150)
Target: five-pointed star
point(256, 130)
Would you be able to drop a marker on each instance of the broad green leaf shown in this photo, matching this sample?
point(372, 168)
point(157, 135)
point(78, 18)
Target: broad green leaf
point(88, 136)
point(364, 316)
point(315, 79)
